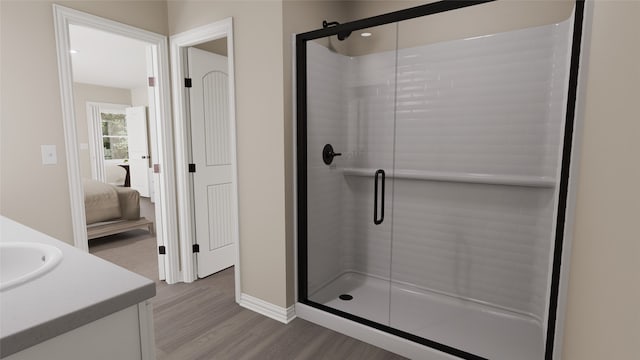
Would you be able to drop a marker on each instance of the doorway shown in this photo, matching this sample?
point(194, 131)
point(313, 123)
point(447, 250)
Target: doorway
point(204, 114)
point(155, 97)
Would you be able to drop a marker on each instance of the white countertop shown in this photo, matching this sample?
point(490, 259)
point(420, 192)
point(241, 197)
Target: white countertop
point(80, 289)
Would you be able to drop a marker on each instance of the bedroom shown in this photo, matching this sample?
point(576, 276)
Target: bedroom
point(115, 134)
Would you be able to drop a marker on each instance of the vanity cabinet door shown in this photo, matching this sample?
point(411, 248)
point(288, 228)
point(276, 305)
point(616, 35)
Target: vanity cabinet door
point(126, 334)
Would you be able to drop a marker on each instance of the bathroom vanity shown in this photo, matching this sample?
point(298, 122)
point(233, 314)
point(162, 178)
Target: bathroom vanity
point(81, 307)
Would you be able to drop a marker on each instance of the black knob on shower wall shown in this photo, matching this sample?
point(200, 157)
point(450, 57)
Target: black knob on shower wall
point(328, 154)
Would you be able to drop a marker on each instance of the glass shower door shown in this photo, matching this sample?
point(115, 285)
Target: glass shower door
point(479, 123)
point(350, 144)
point(432, 176)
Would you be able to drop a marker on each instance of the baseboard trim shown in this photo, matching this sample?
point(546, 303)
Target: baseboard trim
point(284, 315)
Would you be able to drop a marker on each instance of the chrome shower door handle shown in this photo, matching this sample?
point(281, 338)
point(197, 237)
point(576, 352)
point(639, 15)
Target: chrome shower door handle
point(379, 175)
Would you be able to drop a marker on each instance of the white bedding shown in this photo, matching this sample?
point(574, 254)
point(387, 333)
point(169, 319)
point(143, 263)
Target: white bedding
point(100, 201)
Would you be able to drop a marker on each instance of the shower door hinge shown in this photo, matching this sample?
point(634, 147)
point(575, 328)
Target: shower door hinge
point(152, 81)
point(162, 250)
point(192, 168)
point(187, 82)
point(196, 248)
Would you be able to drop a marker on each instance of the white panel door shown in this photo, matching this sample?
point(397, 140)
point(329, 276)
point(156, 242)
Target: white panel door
point(213, 188)
point(138, 149)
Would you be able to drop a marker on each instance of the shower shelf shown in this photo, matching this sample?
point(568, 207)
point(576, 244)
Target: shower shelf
point(473, 178)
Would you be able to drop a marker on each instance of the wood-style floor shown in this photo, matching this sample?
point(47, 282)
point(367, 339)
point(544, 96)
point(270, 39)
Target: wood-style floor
point(201, 320)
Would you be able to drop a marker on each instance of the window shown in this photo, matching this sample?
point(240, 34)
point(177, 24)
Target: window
point(114, 135)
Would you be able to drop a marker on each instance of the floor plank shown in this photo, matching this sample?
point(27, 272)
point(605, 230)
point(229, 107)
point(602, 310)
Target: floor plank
point(201, 320)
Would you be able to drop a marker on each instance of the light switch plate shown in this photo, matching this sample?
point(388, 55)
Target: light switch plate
point(49, 155)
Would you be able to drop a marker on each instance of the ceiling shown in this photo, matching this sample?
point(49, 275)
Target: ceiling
point(107, 59)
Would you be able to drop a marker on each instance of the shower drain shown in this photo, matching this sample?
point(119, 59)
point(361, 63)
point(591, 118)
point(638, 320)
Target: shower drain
point(346, 297)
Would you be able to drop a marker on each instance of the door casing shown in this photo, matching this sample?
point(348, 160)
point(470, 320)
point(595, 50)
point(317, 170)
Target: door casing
point(166, 219)
point(179, 44)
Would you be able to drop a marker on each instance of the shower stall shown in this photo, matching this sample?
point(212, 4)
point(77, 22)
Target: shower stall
point(432, 176)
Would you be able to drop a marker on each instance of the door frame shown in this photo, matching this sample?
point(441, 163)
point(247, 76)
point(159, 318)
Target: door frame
point(179, 44)
point(166, 217)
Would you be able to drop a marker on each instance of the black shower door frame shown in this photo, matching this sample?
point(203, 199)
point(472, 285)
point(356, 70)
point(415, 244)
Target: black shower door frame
point(301, 142)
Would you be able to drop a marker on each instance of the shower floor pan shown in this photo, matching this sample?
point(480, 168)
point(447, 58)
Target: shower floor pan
point(466, 325)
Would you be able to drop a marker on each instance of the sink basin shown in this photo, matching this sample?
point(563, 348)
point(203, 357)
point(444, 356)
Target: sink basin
point(21, 262)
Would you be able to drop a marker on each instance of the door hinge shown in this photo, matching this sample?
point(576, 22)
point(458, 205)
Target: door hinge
point(192, 168)
point(156, 168)
point(162, 250)
point(196, 248)
point(152, 81)
point(187, 82)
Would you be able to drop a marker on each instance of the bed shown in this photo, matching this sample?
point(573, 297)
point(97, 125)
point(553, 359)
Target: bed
point(112, 209)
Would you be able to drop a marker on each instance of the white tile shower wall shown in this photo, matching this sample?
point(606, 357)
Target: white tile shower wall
point(326, 108)
point(371, 102)
point(482, 105)
point(367, 246)
point(358, 122)
point(483, 242)
point(488, 105)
